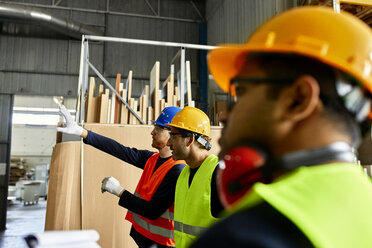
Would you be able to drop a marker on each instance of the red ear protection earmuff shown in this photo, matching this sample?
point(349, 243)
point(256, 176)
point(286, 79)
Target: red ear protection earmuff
point(239, 170)
point(244, 165)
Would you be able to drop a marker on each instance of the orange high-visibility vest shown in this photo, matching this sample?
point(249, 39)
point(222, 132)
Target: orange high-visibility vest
point(160, 230)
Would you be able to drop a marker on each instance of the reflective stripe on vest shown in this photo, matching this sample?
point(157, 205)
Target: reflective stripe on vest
point(188, 229)
point(151, 228)
point(166, 215)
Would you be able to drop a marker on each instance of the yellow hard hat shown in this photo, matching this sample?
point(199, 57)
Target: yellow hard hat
point(337, 39)
point(192, 119)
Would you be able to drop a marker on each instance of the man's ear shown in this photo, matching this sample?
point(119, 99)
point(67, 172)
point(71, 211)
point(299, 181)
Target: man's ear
point(302, 98)
point(190, 140)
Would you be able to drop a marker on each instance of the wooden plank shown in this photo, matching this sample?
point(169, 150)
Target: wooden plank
point(170, 89)
point(131, 116)
point(188, 83)
point(149, 116)
point(124, 109)
point(113, 107)
point(104, 107)
point(146, 103)
point(177, 93)
point(117, 100)
point(90, 107)
point(108, 117)
point(121, 85)
point(135, 107)
point(154, 89)
point(141, 107)
point(129, 85)
point(175, 101)
point(162, 105)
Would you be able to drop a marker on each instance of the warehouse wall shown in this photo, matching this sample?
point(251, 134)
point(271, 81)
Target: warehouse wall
point(233, 22)
point(42, 63)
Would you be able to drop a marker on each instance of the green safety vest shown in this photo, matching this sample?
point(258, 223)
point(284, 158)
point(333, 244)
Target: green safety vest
point(192, 206)
point(331, 204)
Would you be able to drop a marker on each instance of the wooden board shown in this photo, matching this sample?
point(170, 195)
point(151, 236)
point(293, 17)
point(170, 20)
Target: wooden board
point(104, 107)
point(117, 101)
point(170, 89)
point(188, 84)
point(113, 106)
point(123, 109)
point(149, 116)
point(92, 104)
point(63, 205)
point(154, 89)
point(129, 85)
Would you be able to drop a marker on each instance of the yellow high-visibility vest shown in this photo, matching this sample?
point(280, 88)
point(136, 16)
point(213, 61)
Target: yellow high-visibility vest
point(192, 205)
point(331, 204)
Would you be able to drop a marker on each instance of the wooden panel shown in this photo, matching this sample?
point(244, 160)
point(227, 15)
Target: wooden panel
point(63, 206)
point(188, 84)
point(92, 104)
point(149, 116)
point(170, 89)
point(129, 85)
point(104, 107)
point(124, 110)
point(154, 88)
point(117, 101)
point(113, 106)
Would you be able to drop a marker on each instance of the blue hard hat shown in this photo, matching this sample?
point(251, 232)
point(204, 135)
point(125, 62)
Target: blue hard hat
point(166, 116)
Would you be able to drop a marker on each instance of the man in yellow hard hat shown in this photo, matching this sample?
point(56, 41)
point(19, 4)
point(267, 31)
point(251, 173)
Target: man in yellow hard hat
point(300, 92)
point(196, 204)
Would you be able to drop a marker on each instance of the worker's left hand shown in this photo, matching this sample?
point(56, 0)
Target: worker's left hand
point(111, 185)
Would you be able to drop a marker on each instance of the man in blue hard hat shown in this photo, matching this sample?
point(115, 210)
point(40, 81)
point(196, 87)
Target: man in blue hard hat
point(150, 208)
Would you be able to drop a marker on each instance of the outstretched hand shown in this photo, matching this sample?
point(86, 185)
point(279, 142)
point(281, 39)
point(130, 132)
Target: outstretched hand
point(71, 126)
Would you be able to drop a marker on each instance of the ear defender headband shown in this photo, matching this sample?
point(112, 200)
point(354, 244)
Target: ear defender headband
point(244, 165)
point(204, 142)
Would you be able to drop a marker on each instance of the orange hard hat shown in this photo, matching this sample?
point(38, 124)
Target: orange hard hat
point(338, 39)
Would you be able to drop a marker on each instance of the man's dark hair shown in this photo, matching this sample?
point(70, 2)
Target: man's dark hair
point(292, 66)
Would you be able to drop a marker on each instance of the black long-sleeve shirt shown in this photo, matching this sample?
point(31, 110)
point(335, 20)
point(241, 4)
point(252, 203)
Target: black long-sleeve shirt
point(163, 197)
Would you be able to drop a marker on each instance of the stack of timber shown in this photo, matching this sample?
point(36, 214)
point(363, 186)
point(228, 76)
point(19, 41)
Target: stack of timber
point(105, 107)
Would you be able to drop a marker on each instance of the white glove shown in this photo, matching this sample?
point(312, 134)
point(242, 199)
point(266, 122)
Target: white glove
point(71, 126)
point(111, 185)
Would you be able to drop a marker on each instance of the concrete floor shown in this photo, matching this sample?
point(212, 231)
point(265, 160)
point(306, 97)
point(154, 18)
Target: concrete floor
point(21, 221)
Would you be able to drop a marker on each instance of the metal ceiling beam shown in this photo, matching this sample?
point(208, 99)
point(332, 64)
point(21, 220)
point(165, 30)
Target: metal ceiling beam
point(197, 10)
point(151, 8)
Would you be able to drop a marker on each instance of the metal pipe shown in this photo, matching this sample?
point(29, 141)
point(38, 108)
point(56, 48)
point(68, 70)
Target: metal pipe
point(150, 42)
point(34, 15)
point(106, 12)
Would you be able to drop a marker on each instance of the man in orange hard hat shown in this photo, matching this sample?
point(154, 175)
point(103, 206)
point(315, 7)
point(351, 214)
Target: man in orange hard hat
point(300, 96)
